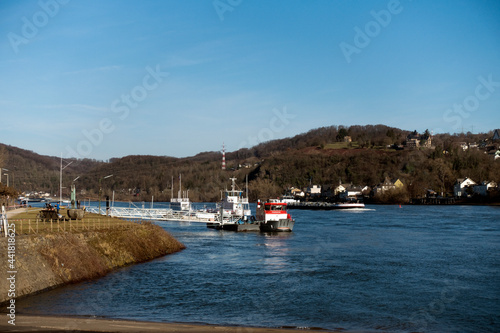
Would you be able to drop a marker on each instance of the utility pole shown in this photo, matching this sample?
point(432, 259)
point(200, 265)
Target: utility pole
point(100, 190)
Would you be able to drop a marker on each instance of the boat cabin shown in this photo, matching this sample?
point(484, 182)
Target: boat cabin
point(272, 211)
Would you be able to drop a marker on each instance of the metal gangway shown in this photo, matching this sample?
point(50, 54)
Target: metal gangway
point(156, 214)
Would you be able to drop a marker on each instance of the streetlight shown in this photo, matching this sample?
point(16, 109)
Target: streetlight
point(100, 190)
point(60, 178)
point(73, 192)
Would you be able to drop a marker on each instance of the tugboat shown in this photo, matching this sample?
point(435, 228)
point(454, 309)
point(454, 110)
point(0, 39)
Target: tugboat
point(273, 216)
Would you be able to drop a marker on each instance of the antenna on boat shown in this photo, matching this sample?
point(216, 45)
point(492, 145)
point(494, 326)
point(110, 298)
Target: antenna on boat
point(180, 186)
point(246, 181)
point(233, 184)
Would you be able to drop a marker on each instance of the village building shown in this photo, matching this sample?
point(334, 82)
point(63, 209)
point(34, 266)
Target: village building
point(416, 140)
point(313, 190)
point(484, 187)
point(461, 186)
point(352, 191)
point(387, 185)
point(340, 188)
point(296, 192)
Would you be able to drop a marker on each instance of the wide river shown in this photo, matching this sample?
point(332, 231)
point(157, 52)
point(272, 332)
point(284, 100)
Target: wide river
point(384, 268)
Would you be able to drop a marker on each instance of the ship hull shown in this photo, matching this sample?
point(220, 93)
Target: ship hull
point(282, 225)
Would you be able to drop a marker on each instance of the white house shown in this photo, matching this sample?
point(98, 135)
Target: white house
point(296, 192)
point(484, 187)
point(340, 188)
point(314, 190)
point(385, 186)
point(461, 186)
point(352, 191)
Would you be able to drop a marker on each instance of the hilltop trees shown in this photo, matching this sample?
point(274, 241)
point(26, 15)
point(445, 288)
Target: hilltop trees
point(314, 157)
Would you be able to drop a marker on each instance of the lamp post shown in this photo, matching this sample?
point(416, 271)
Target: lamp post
point(100, 190)
point(73, 192)
point(60, 178)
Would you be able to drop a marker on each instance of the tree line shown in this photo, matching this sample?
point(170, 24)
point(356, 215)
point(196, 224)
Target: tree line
point(270, 167)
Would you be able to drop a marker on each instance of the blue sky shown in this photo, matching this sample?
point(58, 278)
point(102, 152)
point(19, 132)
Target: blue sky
point(102, 79)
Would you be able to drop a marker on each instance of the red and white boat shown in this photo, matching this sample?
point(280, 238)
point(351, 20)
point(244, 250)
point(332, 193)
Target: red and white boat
point(273, 216)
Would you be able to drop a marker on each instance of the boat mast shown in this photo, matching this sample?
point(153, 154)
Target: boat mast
point(180, 186)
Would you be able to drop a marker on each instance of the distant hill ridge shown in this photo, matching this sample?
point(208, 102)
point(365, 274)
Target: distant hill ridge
point(356, 154)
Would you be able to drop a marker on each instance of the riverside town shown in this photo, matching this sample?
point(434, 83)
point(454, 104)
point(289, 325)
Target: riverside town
point(271, 189)
point(250, 166)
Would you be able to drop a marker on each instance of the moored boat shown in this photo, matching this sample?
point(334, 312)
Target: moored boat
point(234, 211)
point(273, 216)
point(315, 205)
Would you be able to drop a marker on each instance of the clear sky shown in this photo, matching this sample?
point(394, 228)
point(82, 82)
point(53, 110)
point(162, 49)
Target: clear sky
point(102, 79)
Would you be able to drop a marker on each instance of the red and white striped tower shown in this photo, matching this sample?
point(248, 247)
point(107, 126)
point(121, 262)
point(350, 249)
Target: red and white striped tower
point(223, 157)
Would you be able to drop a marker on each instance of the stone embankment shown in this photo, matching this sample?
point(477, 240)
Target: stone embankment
point(44, 262)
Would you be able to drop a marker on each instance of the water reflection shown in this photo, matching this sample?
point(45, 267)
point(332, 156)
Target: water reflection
point(277, 252)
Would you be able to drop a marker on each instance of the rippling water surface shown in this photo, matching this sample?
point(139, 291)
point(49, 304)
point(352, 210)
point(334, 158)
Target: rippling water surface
point(415, 268)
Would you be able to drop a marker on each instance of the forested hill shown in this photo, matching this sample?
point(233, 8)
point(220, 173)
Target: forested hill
point(325, 156)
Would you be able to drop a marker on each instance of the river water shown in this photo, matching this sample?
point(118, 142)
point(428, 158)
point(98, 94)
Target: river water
point(384, 268)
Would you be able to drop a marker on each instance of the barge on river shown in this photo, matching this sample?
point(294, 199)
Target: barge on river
point(316, 205)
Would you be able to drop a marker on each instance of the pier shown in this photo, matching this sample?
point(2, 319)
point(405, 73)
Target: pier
point(156, 214)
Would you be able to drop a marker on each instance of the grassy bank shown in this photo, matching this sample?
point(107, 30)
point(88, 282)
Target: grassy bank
point(52, 257)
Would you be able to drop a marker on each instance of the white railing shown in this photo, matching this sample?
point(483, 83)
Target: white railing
point(157, 214)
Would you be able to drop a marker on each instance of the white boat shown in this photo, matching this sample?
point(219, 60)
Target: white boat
point(315, 205)
point(234, 204)
point(233, 209)
point(181, 203)
point(347, 205)
point(288, 199)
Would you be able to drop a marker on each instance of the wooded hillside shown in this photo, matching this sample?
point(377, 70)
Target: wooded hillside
point(322, 156)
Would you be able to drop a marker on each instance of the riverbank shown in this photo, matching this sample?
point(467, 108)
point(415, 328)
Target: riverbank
point(29, 323)
point(45, 260)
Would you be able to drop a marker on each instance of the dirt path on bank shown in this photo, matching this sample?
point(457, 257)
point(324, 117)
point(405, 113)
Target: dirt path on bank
point(28, 323)
point(14, 212)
